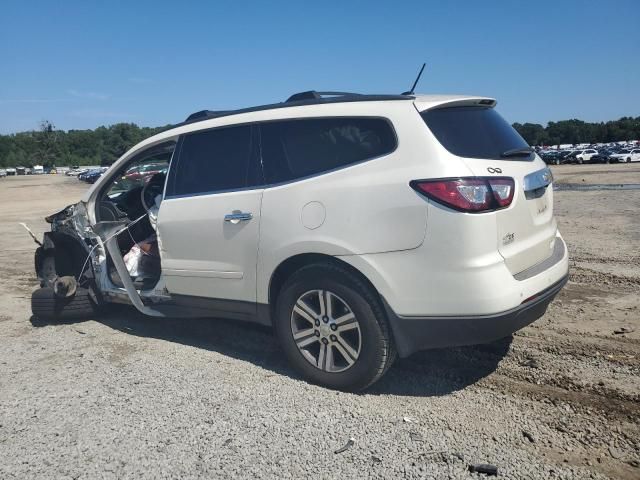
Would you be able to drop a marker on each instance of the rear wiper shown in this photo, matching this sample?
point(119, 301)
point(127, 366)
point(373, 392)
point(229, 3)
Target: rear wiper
point(517, 152)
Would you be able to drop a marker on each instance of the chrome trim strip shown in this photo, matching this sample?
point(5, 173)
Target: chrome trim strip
point(539, 179)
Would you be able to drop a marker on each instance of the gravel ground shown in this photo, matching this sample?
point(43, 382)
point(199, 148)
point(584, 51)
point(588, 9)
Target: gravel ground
point(124, 396)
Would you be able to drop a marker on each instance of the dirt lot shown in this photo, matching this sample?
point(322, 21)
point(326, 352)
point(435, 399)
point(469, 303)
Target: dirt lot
point(124, 396)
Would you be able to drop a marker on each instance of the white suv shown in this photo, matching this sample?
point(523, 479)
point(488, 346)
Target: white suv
point(359, 226)
point(584, 156)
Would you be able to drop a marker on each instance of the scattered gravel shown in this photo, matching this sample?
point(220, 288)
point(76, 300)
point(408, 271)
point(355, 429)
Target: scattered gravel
point(124, 396)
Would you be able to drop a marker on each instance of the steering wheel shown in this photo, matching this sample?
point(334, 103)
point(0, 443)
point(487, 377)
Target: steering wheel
point(153, 188)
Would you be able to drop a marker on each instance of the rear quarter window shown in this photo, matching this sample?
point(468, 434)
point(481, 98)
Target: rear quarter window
point(474, 132)
point(294, 149)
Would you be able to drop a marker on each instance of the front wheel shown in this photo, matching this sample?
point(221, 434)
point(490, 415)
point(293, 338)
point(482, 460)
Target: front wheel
point(629, 160)
point(333, 328)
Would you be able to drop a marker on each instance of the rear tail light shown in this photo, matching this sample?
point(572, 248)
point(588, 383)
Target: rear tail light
point(471, 194)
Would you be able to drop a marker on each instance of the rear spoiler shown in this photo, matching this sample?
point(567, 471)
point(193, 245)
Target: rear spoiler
point(423, 103)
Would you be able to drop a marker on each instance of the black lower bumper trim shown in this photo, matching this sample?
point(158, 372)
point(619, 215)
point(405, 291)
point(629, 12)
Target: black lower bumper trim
point(412, 334)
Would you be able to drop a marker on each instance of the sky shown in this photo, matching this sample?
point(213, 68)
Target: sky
point(82, 64)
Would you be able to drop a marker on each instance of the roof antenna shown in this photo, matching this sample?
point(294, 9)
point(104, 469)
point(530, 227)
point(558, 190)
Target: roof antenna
point(410, 92)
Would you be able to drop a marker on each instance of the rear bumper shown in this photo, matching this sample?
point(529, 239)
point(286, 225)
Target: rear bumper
point(412, 334)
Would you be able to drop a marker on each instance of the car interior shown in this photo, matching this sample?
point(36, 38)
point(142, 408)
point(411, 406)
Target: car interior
point(133, 197)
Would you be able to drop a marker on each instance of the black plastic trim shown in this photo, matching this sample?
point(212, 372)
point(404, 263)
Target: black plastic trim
point(191, 306)
point(347, 98)
point(412, 334)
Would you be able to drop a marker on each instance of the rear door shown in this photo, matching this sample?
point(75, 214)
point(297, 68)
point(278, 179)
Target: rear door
point(209, 221)
point(489, 146)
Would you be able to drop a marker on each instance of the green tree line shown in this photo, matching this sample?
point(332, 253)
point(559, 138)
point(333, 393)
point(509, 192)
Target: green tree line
point(577, 131)
point(48, 146)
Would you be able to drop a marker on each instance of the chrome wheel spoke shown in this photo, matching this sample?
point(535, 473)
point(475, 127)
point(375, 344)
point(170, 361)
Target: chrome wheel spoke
point(329, 363)
point(345, 345)
point(345, 318)
point(306, 341)
point(350, 361)
point(345, 327)
point(321, 357)
point(321, 301)
point(301, 334)
point(305, 311)
point(329, 304)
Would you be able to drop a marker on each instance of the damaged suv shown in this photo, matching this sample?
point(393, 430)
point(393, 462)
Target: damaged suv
point(361, 227)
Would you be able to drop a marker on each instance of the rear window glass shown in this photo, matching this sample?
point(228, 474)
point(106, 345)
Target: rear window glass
point(294, 149)
point(474, 132)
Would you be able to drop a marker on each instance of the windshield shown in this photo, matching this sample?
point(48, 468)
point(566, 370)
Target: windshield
point(475, 132)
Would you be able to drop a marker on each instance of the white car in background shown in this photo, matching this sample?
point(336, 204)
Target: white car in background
point(360, 227)
point(630, 156)
point(584, 156)
point(3, 173)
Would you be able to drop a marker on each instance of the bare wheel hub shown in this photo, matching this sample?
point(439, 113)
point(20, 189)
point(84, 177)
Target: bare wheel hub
point(326, 331)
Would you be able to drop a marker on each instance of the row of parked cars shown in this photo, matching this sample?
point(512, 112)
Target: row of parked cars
point(89, 175)
point(35, 170)
point(137, 173)
point(614, 154)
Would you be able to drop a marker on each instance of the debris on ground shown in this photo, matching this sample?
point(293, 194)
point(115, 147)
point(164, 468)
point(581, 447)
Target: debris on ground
point(484, 468)
point(376, 459)
point(407, 419)
point(615, 453)
point(416, 436)
point(621, 330)
point(530, 362)
point(528, 436)
point(350, 443)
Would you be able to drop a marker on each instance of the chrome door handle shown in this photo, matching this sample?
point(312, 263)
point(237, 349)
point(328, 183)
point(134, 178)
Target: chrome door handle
point(237, 216)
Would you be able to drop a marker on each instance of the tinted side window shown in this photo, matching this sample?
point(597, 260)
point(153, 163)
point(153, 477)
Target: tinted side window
point(474, 132)
point(298, 148)
point(214, 160)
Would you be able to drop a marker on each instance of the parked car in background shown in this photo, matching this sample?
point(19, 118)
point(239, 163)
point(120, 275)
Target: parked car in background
point(566, 156)
point(584, 156)
point(626, 156)
point(11, 171)
point(93, 175)
point(37, 170)
point(21, 171)
point(144, 171)
point(603, 156)
point(552, 157)
point(3, 173)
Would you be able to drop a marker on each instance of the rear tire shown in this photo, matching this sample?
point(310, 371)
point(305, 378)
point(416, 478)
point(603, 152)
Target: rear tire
point(47, 306)
point(371, 345)
point(629, 160)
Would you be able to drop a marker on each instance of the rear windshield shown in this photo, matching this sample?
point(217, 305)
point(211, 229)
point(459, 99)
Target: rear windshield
point(474, 132)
